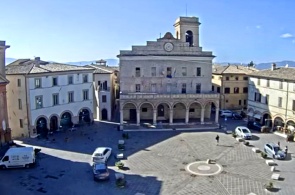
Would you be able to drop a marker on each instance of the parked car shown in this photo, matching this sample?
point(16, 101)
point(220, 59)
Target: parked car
point(100, 171)
point(226, 113)
point(258, 127)
point(101, 154)
point(243, 132)
point(274, 150)
point(237, 116)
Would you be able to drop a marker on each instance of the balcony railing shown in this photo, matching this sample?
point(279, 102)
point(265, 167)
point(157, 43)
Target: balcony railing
point(168, 96)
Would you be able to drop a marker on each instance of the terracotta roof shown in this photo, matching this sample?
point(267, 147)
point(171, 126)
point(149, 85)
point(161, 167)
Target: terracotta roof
point(27, 66)
point(232, 69)
point(278, 73)
point(3, 79)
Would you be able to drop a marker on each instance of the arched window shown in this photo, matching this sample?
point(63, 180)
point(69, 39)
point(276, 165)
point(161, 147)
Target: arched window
point(189, 38)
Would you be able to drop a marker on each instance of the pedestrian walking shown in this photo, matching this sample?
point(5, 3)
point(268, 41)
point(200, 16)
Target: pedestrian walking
point(286, 150)
point(217, 140)
point(279, 144)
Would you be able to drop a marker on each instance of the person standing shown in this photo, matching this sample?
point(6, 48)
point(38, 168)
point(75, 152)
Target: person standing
point(279, 144)
point(286, 150)
point(217, 140)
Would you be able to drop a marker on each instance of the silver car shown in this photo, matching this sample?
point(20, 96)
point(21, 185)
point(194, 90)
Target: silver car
point(274, 151)
point(243, 132)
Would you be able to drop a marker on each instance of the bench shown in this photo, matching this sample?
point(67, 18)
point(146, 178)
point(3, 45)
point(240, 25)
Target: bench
point(275, 176)
point(256, 150)
point(270, 162)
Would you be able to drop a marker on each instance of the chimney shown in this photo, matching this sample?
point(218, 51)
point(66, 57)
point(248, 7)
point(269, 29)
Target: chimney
point(273, 66)
point(37, 61)
point(3, 47)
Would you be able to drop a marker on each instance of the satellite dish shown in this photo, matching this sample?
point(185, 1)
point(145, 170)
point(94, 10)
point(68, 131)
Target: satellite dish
point(4, 125)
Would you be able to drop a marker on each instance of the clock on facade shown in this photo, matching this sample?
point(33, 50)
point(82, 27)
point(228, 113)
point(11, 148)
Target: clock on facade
point(168, 46)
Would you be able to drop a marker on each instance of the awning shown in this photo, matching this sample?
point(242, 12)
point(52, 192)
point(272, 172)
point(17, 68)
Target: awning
point(250, 114)
point(258, 116)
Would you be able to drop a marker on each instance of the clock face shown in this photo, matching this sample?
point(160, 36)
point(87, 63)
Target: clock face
point(168, 46)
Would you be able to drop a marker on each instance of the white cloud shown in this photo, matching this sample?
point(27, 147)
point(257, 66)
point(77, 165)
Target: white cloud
point(258, 26)
point(286, 35)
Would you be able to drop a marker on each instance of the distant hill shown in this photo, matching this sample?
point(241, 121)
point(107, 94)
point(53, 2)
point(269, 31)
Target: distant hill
point(110, 62)
point(115, 62)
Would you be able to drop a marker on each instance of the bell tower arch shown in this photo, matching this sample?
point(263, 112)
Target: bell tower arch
point(187, 30)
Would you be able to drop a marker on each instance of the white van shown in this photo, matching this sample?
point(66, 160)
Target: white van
point(18, 157)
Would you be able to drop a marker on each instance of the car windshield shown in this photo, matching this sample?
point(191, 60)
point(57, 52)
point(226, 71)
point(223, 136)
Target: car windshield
point(245, 131)
point(276, 149)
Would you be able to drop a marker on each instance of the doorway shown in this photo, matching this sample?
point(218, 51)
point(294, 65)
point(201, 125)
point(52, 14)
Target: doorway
point(161, 111)
point(132, 113)
point(104, 114)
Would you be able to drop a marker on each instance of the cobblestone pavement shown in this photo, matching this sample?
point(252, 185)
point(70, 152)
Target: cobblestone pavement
point(156, 163)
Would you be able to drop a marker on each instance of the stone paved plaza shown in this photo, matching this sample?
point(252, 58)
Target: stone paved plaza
point(156, 164)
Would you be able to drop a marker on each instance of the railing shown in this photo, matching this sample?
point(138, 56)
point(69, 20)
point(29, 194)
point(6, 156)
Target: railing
point(168, 96)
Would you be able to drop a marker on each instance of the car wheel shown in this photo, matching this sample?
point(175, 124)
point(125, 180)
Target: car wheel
point(27, 166)
point(3, 167)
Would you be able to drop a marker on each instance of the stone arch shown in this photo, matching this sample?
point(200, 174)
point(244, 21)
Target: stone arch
point(66, 122)
point(278, 120)
point(133, 103)
point(84, 115)
point(142, 103)
point(72, 115)
point(41, 125)
point(189, 37)
point(163, 111)
point(266, 119)
point(195, 102)
point(179, 112)
point(41, 116)
point(195, 111)
point(290, 124)
point(54, 122)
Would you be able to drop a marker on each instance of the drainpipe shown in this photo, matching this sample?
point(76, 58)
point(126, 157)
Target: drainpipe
point(286, 111)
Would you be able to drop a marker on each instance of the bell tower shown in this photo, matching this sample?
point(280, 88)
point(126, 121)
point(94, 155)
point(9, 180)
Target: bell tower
point(3, 47)
point(187, 30)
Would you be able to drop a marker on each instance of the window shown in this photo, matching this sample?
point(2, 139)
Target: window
point(70, 96)
point(184, 73)
point(85, 78)
point(257, 97)
point(267, 83)
point(153, 87)
point(280, 101)
point(227, 78)
point(183, 88)
point(169, 87)
point(39, 102)
point(137, 72)
point(245, 90)
point(20, 106)
point(54, 81)
point(104, 98)
point(169, 72)
point(237, 78)
point(137, 88)
point(38, 83)
point(293, 106)
point(18, 82)
point(198, 72)
point(70, 80)
point(55, 99)
point(212, 88)
point(281, 85)
point(144, 109)
point(198, 88)
point(266, 99)
point(218, 89)
point(227, 90)
point(245, 102)
point(154, 71)
point(85, 94)
point(258, 81)
point(245, 78)
point(21, 125)
point(236, 90)
point(240, 102)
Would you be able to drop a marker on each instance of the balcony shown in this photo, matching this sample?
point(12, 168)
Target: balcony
point(103, 88)
point(139, 96)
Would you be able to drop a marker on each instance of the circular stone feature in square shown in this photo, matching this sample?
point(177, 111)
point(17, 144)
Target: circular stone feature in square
point(203, 169)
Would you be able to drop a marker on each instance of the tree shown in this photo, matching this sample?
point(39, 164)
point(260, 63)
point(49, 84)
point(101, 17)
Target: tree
point(251, 64)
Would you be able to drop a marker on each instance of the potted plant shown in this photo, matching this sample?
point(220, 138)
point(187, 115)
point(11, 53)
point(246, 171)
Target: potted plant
point(121, 146)
point(234, 135)
point(263, 154)
point(119, 164)
point(268, 186)
point(246, 143)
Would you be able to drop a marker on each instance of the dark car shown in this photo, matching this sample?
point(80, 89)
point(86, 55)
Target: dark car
point(237, 116)
point(100, 171)
point(254, 125)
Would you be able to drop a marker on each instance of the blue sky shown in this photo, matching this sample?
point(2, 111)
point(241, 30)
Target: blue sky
point(77, 30)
